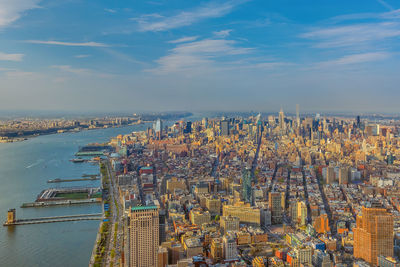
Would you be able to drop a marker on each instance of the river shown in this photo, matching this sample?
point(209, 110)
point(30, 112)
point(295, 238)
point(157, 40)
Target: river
point(24, 169)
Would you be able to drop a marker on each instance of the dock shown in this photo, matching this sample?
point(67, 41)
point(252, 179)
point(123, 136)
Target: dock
point(60, 202)
point(67, 218)
point(58, 180)
point(89, 154)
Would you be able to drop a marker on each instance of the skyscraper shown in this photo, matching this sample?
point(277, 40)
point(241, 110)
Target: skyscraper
point(275, 205)
point(224, 127)
point(158, 129)
point(247, 179)
point(143, 239)
point(188, 128)
point(373, 235)
point(281, 119)
point(297, 115)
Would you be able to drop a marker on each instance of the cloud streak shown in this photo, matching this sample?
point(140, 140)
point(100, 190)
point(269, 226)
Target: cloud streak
point(184, 40)
point(353, 35)
point(11, 57)
point(11, 11)
point(87, 44)
point(355, 59)
point(156, 22)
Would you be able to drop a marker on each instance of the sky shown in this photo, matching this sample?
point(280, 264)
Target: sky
point(235, 55)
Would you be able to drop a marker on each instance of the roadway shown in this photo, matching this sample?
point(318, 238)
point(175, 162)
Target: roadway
point(115, 219)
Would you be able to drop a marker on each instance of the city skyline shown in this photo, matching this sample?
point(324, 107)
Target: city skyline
point(207, 55)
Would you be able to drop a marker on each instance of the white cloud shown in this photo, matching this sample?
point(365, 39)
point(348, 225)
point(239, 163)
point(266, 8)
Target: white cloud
point(355, 59)
point(11, 57)
point(156, 22)
point(198, 55)
point(88, 44)
point(12, 10)
point(184, 40)
point(353, 35)
point(81, 56)
point(109, 10)
point(223, 33)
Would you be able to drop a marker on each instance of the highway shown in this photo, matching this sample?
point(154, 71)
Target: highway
point(116, 223)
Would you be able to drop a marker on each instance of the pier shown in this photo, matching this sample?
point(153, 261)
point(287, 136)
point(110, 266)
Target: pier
point(11, 218)
point(58, 180)
point(60, 202)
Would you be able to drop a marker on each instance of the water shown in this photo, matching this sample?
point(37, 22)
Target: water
point(24, 169)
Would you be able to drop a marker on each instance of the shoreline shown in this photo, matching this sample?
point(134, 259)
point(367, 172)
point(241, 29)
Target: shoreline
point(61, 131)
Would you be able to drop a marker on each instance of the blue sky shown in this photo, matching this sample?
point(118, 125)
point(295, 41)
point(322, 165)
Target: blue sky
point(200, 55)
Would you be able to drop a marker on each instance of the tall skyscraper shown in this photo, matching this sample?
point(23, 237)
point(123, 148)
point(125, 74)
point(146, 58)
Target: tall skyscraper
point(188, 128)
point(158, 126)
point(224, 127)
point(373, 235)
point(358, 121)
point(297, 115)
point(143, 239)
point(247, 179)
point(281, 119)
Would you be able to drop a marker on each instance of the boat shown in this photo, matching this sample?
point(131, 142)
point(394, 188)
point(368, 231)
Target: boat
point(78, 160)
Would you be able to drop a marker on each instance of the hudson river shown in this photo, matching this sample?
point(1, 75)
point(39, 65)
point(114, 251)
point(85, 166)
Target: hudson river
point(25, 168)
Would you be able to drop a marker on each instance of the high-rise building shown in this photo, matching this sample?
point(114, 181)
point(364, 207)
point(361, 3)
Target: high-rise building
point(321, 259)
point(358, 121)
point(321, 224)
point(224, 127)
point(281, 119)
point(304, 254)
point(230, 247)
point(373, 235)
point(217, 252)
point(301, 212)
point(247, 179)
point(229, 223)
point(344, 175)
point(161, 220)
point(188, 128)
point(158, 127)
point(330, 174)
point(275, 205)
point(205, 123)
point(143, 236)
